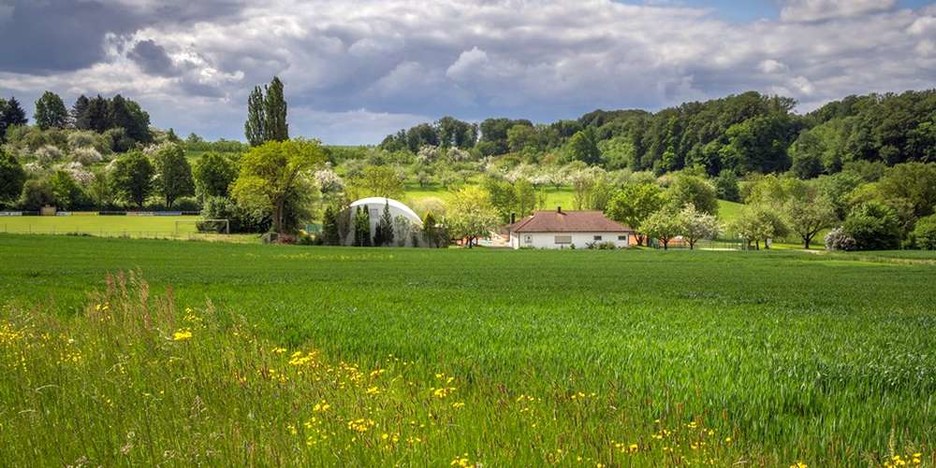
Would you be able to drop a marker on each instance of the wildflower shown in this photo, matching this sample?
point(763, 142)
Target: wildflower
point(373, 391)
point(458, 404)
point(799, 464)
point(278, 350)
point(182, 335)
point(727, 440)
point(321, 407)
point(461, 462)
point(361, 425)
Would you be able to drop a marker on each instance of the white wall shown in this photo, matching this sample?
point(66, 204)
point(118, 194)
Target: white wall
point(542, 240)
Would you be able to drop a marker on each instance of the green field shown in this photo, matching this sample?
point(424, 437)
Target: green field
point(456, 357)
point(91, 223)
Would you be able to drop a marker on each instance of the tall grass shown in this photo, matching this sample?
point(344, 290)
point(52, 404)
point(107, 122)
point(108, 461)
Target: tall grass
point(555, 355)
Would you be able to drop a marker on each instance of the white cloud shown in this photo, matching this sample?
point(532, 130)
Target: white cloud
point(814, 10)
point(525, 58)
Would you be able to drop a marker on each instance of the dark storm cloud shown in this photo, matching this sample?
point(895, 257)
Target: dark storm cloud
point(48, 36)
point(152, 58)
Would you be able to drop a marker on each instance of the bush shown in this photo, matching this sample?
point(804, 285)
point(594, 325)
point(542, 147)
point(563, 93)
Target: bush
point(873, 226)
point(48, 154)
point(86, 155)
point(36, 194)
point(241, 219)
point(837, 239)
point(607, 245)
point(186, 204)
point(924, 235)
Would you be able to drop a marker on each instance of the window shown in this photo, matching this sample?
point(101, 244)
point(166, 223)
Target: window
point(528, 239)
point(622, 238)
point(563, 239)
point(597, 238)
point(374, 213)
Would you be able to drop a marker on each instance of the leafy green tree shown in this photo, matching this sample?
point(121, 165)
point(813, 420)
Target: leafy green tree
point(664, 225)
point(214, 174)
point(255, 127)
point(97, 114)
point(377, 181)
point(726, 186)
point(36, 194)
point(809, 215)
point(584, 147)
point(471, 214)
point(101, 190)
point(272, 172)
point(66, 192)
point(689, 189)
point(362, 229)
point(132, 177)
point(697, 225)
point(914, 183)
point(433, 233)
point(173, 174)
point(50, 111)
point(758, 222)
point(128, 115)
point(924, 234)
point(806, 153)
point(633, 204)
point(874, 226)
point(275, 126)
point(12, 178)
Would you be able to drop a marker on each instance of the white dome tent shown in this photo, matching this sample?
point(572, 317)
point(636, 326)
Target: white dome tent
point(400, 213)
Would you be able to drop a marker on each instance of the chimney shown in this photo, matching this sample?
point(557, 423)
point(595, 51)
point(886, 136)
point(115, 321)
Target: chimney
point(559, 209)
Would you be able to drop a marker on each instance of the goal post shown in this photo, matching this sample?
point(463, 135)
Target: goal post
point(211, 225)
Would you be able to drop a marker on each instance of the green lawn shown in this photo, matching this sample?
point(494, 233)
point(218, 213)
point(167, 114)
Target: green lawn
point(429, 357)
point(91, 223)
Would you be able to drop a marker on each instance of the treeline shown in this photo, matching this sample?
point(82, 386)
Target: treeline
point(746, 133)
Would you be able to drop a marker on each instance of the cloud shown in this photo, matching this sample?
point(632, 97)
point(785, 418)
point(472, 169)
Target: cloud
point(386, 61)
point(814, 10)
point(152, 58)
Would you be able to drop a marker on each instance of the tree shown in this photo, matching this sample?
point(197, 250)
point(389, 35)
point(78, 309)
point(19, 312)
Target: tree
point(97, 114)
point(362, 237)
point(874, 226)
point(79, 113)
point(471, 214)
point(254, 127)
point(433, 234)
point(377, 181)
point(132, 177)
point(809, 216)
point(330, 235)
point(924, 234)
point(697, 225)
point(383, 235)
point(266, 114)
point(664, 225)
point(758, 222)
point(36, 194)
point(271, 171)
point(11, 115)
point(275, 126)
point(694, 190)
point(633, 204)
point(726, 186)
point(65, 190)
point(913, 182)
point(584, 147)
point(12, 178)
point(214, 175)
point(173, 174)
point(50, 111)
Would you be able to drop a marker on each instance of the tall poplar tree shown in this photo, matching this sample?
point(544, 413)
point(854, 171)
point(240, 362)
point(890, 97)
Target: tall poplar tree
point(276, 128)
point(254, 127)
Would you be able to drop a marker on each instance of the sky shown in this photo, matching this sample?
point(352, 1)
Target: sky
point(357, 70)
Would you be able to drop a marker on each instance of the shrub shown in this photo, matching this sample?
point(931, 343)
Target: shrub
point(241, 219)
point(186, 204)
point(86, 156)
point(924, 235)
point(837, 239)
point(48, 154)
point(873, 226)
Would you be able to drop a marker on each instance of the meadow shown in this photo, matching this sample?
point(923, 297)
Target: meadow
point(248, 354)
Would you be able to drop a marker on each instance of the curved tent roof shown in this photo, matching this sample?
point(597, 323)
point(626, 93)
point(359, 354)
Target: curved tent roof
point(394, 204)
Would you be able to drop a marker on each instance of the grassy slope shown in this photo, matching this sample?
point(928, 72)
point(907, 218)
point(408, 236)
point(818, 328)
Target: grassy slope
point(745, 342)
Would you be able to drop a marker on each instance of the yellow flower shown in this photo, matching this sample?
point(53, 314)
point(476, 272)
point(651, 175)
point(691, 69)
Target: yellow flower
point(182, 335)
point(373, 391)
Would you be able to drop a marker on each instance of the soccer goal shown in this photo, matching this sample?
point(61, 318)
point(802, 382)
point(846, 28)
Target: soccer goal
point(191, 226)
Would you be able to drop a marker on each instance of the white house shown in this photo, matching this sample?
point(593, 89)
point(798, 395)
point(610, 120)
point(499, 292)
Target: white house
point(400, 213)
point(565, 229)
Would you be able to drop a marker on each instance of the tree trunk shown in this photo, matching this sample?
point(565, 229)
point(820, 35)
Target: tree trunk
point(665, 244)
point(278, 216)
point(691, 245)
point(757, 244)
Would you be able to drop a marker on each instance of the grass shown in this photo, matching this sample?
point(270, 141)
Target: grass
point(172, 227)
point(619, 358)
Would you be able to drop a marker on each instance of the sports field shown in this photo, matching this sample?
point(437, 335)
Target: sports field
point(310, 355)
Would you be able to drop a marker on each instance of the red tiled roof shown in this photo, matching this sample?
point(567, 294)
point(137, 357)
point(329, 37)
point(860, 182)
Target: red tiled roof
point(568, 221)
